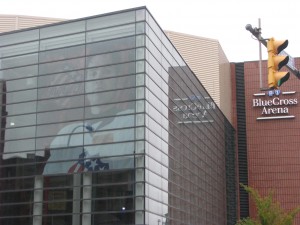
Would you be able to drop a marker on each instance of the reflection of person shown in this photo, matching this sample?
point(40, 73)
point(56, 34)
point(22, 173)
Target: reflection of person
point(98, 136)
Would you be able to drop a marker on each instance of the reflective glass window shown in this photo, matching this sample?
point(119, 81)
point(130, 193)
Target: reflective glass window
point(60, 42)
point(110, 33)
point(43, 143)
point(111, 20)
point(110, 45)
point(18, 148)
point(110, 97)
point(60, 103)
point(111, 58)
point(110, 84)
point(110, 71)
point(63, 29)
point(19, 133)
point(111, 109)
point(110, 150)
point(62, 66)
point(61, 91)
point(21, 96)
point(19, 37)
point(15, 195)
point(60, 116)
point(22, 60)
point(62, 159)
point(62, 53)
point(21, 84)
point(60, 128)
point(114, 135)
point(109, 123)
point(20, 108)
point(19, 49)
point(21, 120)
point(140, 14)
point(20, 72)
point(61, 78)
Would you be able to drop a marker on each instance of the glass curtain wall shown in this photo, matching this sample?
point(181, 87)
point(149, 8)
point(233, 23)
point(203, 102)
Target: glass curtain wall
point(72, 122)
point(102, 122)
point(187, 137)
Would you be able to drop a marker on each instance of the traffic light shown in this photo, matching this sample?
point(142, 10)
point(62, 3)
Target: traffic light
point(276, 62)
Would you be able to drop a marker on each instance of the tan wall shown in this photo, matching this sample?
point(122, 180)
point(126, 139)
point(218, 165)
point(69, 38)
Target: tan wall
point(207, 60)
point(15, 22)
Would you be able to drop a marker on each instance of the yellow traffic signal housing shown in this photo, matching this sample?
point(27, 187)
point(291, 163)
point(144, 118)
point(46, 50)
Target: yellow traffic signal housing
point(276, 62)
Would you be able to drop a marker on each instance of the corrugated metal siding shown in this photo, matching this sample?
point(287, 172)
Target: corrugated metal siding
point(7, 23)
point(208, 61)
point(225, 85)
point(15, 22)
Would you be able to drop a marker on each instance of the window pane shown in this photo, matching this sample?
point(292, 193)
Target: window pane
point(18, 148)
point(63, 29)
point(60, 103)
point(21, 84)
point(111, 20)
point(110, 84)
point(110, 46)
point(19, 121)
point(21, 96)
point(20, 72)
point(60, 116)
point(19, 37)
point(60, 128)
point(62, 66)
point(61, 78)
point(110, 71)
point(22, 60)
point(110, 33)
point(111, 97)
point(19, 49)
point(64, 41)
point(63, 160)
point(20, 108)
point(111, 109)
point(110, 123)
point(111, 58)
point(60, 54)
point(61, 91)
point(19, 133)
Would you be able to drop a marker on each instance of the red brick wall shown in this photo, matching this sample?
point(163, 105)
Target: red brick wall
point(273, 145)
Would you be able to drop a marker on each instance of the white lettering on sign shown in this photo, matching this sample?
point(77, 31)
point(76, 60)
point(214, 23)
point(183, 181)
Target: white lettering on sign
point(194, 111)
point(274, 106)
point(274, 102)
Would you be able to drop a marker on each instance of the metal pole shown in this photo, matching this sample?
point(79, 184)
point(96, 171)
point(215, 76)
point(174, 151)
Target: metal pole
point(260, 57)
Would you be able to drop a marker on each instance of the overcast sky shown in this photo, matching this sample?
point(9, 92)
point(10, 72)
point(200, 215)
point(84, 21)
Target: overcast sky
point(223, 20)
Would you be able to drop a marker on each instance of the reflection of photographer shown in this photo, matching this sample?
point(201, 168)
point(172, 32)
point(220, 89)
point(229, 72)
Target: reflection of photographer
point(104, 126)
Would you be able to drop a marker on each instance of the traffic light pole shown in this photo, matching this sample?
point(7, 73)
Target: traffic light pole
point(256, 32)
point(260, 57)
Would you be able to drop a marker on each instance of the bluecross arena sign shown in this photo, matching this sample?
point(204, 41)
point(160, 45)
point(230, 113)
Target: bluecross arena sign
point(276, 106)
